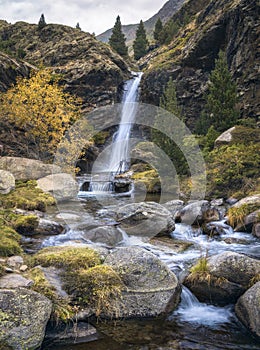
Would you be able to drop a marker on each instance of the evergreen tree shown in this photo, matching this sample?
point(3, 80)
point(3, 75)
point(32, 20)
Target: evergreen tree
point(78, 26)
point(141, 43)
point(222, 96)
point(117, 39)
point(41, 23)
point(157, 30)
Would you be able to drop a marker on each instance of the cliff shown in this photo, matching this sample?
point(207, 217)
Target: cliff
point(230, 25)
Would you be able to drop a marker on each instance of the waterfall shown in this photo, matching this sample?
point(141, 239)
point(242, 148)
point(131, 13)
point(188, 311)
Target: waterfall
point(119, 156)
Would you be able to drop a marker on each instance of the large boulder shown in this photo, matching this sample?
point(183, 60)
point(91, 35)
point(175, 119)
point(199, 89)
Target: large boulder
point(7, 181)
point(248, 309)
point(23, 318)
point(226, 278)
point(27, 169)
point(151, 289)
point(197, 212)
point(145, 219)
point(62, 186)
point(250, 200)
point(108, 235)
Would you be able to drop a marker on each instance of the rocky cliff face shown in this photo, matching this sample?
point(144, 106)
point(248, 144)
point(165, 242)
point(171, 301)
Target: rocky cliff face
point(89, 69)
point(230, 25)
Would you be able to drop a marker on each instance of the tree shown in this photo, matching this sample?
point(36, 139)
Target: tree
point(78, 26)
point(40, 108)
point(41, 23)
point(141, 43)
point(222, 96)
point(117, 39)
point(157, 30)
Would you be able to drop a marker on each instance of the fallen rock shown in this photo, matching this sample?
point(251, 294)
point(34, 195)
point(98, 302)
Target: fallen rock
point(62, 186)
point(7, 181)
point(24, 315)
point(151, 289)
point(14, 281)
point(27, 169)
point(145, 219)
point(248, 311)
point(108, 235)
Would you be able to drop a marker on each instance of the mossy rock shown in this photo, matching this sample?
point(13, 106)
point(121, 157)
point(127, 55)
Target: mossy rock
point(27, 196)
point(150, 179)
point(9, 242)
point(26, 224)
point(67, 258)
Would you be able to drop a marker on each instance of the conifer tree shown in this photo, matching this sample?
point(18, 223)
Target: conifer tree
point(78, 26)
point(222, 96)
point(141, 43)
point(117, 39)
point(157, 30)
point(41, 23)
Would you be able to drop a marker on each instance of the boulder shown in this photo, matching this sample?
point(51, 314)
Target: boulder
point(23, 318)
point(146, 219)
point(7, 181)
point(49, 227)
point(62, 186)
point(14, 281)
point(247, 309)
point(225, 138)
point(197, 212)
point(174, 206)
point(249, 222)
point(27, 169)
point(250, 200)
point(256, 230)
point(151, 289)
point(108, 235)
point(216, 228)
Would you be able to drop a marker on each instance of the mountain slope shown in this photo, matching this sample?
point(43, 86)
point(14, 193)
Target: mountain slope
point(164, 14)
point(229, 25)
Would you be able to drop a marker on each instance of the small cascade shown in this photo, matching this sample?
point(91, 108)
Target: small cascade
point(118, 158)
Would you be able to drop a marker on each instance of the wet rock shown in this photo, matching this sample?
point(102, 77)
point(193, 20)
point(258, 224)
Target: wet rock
point(256, 230)
point(61, 186)
point(82, 332)
point(108, 235)
point(49, 227)
point(151, 289)
point(216, 228)
point(248, 311)
point(14, 281)
point(197, 212)
point(249, 222)
point(24, 315)
point(7, 182)
point(27, 169)
point(145, 219)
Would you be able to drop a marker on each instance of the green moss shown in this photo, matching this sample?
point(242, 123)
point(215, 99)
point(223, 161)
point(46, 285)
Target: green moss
point(26, 196)
point(150, 179)
point(68, 258)
point(236, 215)
point(96, 287)
point(9, 242)
point(101, 137)
point(201, 266)
point(61, 307)
point(26, 224)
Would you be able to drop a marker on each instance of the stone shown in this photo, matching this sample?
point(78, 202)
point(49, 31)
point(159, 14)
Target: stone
point(197, 212)
point(108, 235)
point(62, 186)
point(14, 281)
point(250, 200)
point(248, 222)
point(27, 169)
point(216, 228)
point(146, 219)
point(174, 206)
point(151, 289)
point(49, 227)
point(225, 138)
point(24, 315)
point(247, 309)
point(256, 230)
point(23, 268)
point(7, 182)
point(15, 261)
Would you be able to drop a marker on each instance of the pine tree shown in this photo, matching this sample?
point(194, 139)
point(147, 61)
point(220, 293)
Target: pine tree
point(141, 43)
point(41, 23)
point(168, 99)
point(117, 39)
point(222, 96)
point(157, 30)
point(78, 26)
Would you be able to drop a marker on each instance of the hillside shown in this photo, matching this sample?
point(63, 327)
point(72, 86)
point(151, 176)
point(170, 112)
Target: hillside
point(89, 68)
point(164, 14)
point(230, 25)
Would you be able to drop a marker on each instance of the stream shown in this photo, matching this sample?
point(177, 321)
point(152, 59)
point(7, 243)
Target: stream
point(193, 325)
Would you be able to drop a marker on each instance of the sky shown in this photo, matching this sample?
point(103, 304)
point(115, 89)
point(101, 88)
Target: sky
point(94, 16)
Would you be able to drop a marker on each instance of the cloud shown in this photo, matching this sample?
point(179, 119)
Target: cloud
point(92, 15)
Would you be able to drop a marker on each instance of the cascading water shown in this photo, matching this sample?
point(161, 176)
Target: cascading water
point(118, 158)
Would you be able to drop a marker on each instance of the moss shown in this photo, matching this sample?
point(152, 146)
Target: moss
point(68, 258)
point(26, 224)
point(150, 179)
point(96, 287)
point(101, 137)
point(9, 242)
point(61, 308)
point(236, 215)
point(201, 266)
point(26, 196)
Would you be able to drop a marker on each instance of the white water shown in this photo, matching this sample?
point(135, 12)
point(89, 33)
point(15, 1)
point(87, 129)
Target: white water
point(118, 158)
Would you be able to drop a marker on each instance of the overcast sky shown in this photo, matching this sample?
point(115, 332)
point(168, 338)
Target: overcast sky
point(92, 15)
